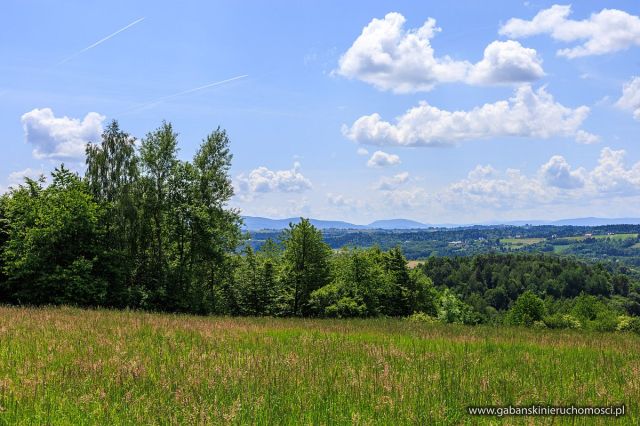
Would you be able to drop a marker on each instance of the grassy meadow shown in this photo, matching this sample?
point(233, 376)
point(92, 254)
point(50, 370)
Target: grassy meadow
point(72, 366)
point(515, 243)
point(520, 242)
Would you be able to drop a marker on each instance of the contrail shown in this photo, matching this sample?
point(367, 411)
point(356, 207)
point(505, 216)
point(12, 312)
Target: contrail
point(217, 83)
point(100, 41)
point(184, 92)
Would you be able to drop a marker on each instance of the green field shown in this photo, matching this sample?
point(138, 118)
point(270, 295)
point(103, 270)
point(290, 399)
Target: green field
point(617, 236)
point(517, 243)
point(600, 237)
point(70, 366)
point(520, 242)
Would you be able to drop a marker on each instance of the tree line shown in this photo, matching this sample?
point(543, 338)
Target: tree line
point(550, 290)
point(144, 229)
point(140, 229)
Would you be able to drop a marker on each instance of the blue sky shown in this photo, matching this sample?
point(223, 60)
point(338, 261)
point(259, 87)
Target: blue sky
point(452, 112)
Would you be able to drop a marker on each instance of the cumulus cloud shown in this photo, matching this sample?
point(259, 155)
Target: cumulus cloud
point(390, 57)
point(558, 173)
point(383, 159)
point(528, 113)
point(389, 183)
point(612, 176)
point(630, 99)
point(18, 177)
point(263, 180)
point(555, 183)
point(509, 189)
point(586, 138)
point(345, 203)
point(60, 138)
point(338, 200)
point(408, 198)
point(506, 62)
point(481, 172)
point(609, 30)
point(362, 151)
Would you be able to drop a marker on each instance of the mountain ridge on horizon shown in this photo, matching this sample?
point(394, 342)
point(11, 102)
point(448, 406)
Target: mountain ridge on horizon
point(256, 223)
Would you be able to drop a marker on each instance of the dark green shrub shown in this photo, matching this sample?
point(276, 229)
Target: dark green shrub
point(528, 309)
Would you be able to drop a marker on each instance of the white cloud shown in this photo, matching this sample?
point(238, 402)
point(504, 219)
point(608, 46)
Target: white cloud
point(506, 62)
point(555, 184)
point(60, 138)
point(510, 189)
point(392, 58)
point(528, 113)
point(383, 159)
point(586, 138)
point(558, 173)
point(281, 207)
point(611, 176)
point(555, 189)
point(262, 180)
point(362, 151)
point(389, 183)
point(17, 177)
point(481, 172)
point(338, 200)
point(345, 203)
point(630, 99)
point(407, 198)
point(609, 30)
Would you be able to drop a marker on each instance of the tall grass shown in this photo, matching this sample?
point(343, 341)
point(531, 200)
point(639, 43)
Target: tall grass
point(71, 366)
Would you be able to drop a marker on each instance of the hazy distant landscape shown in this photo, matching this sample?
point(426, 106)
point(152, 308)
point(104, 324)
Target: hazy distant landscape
point(252, 223)
point(594, 243)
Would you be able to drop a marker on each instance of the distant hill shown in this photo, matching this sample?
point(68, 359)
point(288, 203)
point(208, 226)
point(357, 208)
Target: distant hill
point(256, 223)
point(597, 221)
point(253, 223)
point(583, 221)
point(397, 224)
